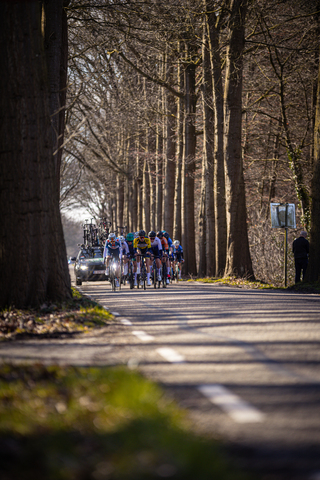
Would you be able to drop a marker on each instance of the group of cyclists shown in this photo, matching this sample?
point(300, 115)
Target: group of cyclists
point(138, 246)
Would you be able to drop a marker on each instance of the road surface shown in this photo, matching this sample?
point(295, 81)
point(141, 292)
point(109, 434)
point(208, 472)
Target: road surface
point(245, 363)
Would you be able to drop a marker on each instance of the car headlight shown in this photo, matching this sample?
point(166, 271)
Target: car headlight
point(83, 267)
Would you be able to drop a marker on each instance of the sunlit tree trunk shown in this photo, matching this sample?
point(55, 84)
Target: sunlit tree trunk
point(32, 249)
point(219, 170)
point(170, 152)
point(190, 164)
point(177, 223)
point(208, 264)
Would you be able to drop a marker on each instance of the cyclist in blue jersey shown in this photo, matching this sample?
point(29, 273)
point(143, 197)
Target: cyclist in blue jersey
point(112, 249)
point(156, 250)
point(177, 254)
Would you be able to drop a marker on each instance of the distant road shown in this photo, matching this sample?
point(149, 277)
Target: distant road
point(244, 362)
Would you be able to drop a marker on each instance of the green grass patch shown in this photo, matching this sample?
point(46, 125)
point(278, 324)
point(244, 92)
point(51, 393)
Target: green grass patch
point(80, 314)
point(98, 423)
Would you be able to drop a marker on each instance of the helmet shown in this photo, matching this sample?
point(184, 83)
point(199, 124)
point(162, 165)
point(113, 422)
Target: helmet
point(159, 234)
point(142, 233)
point(112, 236)
point(152, 234)
point(165, 234)
point(130, 237)
point(122, 239)
point(176, 243)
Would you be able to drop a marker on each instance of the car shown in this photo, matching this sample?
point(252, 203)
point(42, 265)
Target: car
point(89, 265)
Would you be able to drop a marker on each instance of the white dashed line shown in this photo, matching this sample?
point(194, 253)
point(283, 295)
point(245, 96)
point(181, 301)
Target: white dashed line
point(115, 314)
point(125, 321)
point(171, 355)
point(143, 336)
point(239, 410)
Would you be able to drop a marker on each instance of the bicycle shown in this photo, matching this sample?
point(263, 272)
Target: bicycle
point(131, 274)
point(164, 273)
point(154, 274)
point(112, 275)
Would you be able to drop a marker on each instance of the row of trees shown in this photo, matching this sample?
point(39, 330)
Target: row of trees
point(177, 114)
point(180, 115)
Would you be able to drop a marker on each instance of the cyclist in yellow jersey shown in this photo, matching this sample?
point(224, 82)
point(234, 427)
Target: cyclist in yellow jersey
point(142, 246)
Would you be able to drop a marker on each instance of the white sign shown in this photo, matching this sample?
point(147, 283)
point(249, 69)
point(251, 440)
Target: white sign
point(283, 215)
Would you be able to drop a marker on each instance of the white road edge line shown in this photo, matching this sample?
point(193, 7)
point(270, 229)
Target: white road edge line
point(239, 410)
point(171, 355)
point(145, 337)
point(125, 321)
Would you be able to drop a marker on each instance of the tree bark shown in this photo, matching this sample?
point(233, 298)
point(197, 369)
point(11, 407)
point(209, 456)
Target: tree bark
point(313, 271)
point(190, 166)
point(219, 169)
point(171, 112)
point(208, 264)
point(32, 248)
point(238, 254)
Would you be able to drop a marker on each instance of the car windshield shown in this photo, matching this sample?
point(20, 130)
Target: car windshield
point(97, 254)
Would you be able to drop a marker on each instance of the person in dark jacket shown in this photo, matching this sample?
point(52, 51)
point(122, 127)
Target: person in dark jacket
point(300, 248)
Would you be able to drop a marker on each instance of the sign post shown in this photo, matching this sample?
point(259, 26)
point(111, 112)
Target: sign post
point(283, 215)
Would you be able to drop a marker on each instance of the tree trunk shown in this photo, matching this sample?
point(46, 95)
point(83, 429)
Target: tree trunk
point(190, 166)
point(177, 223)
point(209, 263)
point(238, 254)
point(56, 49)
point(219, 170)
point(171, 112)
point(313, 271)
point(32, 252)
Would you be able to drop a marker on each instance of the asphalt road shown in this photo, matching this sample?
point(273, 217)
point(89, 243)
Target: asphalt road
point(245, 364)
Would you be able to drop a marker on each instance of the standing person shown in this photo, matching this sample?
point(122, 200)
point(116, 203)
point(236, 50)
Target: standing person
point(300, 248)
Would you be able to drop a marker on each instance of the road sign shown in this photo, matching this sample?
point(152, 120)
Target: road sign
point(283, 215)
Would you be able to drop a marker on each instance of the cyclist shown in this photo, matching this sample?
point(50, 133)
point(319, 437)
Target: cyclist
point(156, 249)
point(177, 253)
point(131, 254)
point(142, 246)
point(111, 250)
point(165, 253)
point(167, 237)
point(124, 253)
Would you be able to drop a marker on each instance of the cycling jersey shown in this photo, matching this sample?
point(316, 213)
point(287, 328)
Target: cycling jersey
point(164, 243)
point(111, 250)
point(177, 252)
point(156, 247)
point(124, 248)
point(143, 245)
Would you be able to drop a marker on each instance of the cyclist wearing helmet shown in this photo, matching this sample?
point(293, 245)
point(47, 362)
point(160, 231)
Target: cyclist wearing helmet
point(177, 252)
point(169, 243)
point(124, 253)
point(165, 252)
point(112, 249)
point(156, 249)
point(142, 247)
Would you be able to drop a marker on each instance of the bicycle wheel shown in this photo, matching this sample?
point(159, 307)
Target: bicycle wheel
point(144, 275)
point(131, 276)
point(177, 273)
point(164, 275)
point(154, 274)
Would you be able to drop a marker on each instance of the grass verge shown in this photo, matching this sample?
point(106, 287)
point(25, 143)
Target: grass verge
point(66, 423)
point(79, 314)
